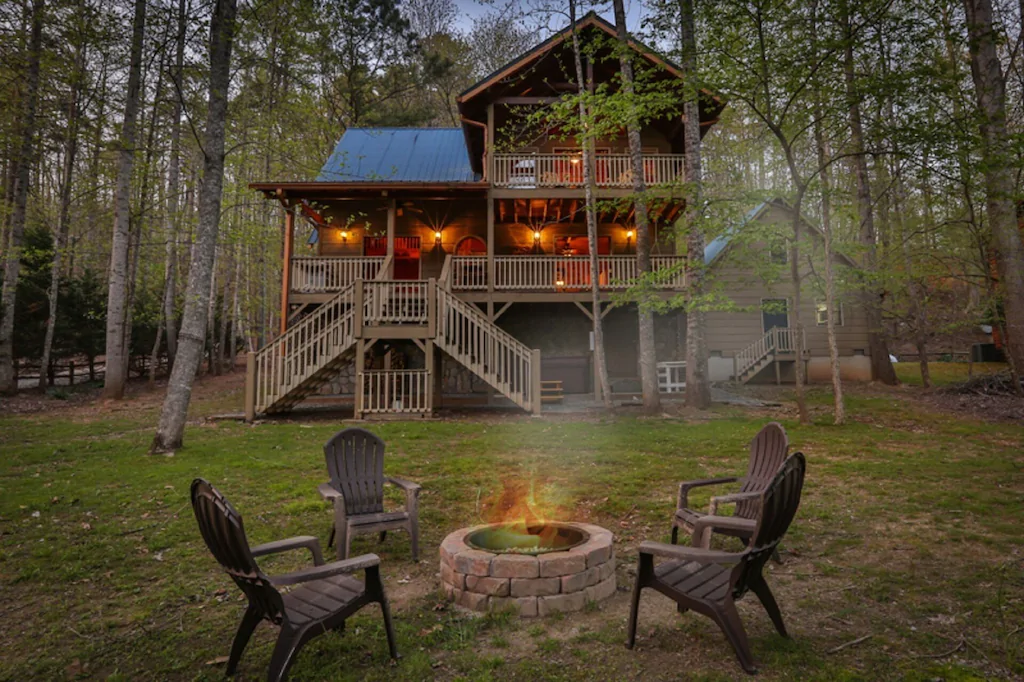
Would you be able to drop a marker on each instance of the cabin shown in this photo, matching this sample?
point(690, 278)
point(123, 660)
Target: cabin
point(453, 264)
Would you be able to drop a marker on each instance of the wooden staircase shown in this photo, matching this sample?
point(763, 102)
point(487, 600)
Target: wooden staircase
point(299, 362)
point(777, 343)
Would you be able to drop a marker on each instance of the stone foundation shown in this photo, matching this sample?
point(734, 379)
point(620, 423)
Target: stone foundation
point(529, 585)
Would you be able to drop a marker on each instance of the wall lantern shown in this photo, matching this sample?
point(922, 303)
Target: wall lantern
point(344, 237)
point(629, 238)
point(536, 236)
point(437, 237)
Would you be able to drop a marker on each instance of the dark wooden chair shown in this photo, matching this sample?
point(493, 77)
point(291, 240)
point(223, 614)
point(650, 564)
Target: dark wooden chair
point(710, 581)
point(355, 463)
point(767, 453)
point(324, 596)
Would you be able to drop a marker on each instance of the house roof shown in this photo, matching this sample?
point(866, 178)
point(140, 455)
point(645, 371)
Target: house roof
point(385, 155)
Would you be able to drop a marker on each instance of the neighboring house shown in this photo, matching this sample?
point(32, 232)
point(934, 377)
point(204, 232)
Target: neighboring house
point(447, 262)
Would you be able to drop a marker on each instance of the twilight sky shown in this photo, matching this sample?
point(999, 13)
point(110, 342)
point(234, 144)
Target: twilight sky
point(475, 8)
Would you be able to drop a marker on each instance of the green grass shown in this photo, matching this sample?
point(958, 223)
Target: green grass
point(943, 373)
point(910, 530)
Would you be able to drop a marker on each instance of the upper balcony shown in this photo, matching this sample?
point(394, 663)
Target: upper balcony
point(526, 170)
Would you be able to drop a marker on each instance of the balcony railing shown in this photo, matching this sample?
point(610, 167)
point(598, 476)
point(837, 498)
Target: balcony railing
point(560, 273)
point(532, 171)
point(311, 275)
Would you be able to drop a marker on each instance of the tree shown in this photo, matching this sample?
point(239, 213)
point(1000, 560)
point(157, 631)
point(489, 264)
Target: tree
point(21, 176)
point(645, 316)
point(591, 210)
point(990, 90)
point(698, 391)
point(197, 298)
point(118, 284)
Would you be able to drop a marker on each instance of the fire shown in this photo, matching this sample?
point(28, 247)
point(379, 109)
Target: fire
point(525, 517)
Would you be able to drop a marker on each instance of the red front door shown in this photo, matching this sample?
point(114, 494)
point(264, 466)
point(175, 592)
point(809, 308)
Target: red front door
point(407, 257)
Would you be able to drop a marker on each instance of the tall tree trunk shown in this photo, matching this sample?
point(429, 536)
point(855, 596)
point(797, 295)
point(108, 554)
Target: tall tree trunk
point(823, 154)
point(25, 162)
point(881, 366)
point(117, 293)
point(645, 314)
point(588, 184)
point(698, 390)
point(797, 318)
point(173, 189)
point(996, 146)
point(67, 176)
point(193, 329)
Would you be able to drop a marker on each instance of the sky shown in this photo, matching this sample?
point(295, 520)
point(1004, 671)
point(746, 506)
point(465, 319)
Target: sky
point(474, 8)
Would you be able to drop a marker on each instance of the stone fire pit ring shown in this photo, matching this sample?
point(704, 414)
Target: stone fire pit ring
point(530, 585)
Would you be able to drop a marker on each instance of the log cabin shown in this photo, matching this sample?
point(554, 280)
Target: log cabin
point(448, 264)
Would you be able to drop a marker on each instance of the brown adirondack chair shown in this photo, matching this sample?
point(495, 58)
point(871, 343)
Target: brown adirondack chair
point(767, 453)
point(355, 463)
point(325, 595)
point(709, 581)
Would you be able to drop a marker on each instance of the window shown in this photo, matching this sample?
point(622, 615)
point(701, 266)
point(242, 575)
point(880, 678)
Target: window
point(778, 253)
point(821, 313)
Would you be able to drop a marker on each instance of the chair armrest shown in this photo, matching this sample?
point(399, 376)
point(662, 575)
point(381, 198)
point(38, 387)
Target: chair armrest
point(407, 486)
point(298, 542)
point(334, 568)
point(704, 524)
point(705, 556)
point(735, 497)
point(329, 492)
point(686, 486)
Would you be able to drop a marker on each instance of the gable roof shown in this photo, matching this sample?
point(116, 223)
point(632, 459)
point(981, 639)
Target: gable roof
point(589, 19)
point(718, 245)
point(399, 155)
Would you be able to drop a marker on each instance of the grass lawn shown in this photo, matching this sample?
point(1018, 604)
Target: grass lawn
point(911, 531)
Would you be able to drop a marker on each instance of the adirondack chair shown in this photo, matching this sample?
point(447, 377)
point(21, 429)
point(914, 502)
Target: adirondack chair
point(767, 453)
point(355, 463)
point(325, 594)
point(710, 581)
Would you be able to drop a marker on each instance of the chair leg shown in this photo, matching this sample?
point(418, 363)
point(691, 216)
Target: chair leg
point(341, 539)
point(389, 629)
point(775, 555)
point(728, 619)
point(634, 613)
point(760, 588)
point(383, 536)
point(288, 644)
point(245, 629)
point(330, 540)
point(675, 534)
point(414, 538)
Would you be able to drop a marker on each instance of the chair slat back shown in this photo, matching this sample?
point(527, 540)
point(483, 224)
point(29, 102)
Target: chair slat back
point(767, 453)
point(780, 502)
point(355, 462)
point(222, 530)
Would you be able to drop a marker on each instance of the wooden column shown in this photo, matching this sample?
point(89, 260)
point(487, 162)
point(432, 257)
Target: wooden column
point(392, 209)
point(360, 368)
point(286, 268)
point(428, 364)
point(535, 399)
point(490, 245)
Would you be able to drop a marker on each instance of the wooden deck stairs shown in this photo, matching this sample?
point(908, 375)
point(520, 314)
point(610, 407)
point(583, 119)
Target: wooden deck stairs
point(298, 363)
point(777, 344)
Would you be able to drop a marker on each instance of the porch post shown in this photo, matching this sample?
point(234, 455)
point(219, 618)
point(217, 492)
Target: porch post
point(490, 245)
point(286, 268)
point(428, 364)
point(535, 399)
point(360, 379)
point(391, 230)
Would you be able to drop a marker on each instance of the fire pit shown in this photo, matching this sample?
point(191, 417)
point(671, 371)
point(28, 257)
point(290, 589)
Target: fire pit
point(534, 569)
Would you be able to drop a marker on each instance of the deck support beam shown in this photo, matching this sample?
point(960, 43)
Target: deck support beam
point(286, 268)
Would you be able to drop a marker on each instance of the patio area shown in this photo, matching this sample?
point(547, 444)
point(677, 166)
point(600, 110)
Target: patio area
point(905, 560)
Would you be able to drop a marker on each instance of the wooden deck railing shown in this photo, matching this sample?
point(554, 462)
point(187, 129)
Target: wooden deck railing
point(560, 273)
point(395, 301)
point(312, 275)
point(394, 391)
point(775, 340)
point(531, 171)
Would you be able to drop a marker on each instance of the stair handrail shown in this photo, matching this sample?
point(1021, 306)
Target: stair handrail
point(514, 373)
point(275, 362)
point(446, 272)
point(755, 352)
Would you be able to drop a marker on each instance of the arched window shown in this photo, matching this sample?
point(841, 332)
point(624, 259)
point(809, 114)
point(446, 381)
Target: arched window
point(471, 246)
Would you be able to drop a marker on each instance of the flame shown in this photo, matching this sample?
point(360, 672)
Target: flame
point(523, 512)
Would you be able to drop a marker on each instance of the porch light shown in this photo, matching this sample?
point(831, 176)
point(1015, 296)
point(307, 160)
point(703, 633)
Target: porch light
point(437, 237)
point(629, 234)
point(344, 236)
point(536, 235)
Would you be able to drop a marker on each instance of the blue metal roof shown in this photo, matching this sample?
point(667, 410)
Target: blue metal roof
point(718, 244)
point(399, 155)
